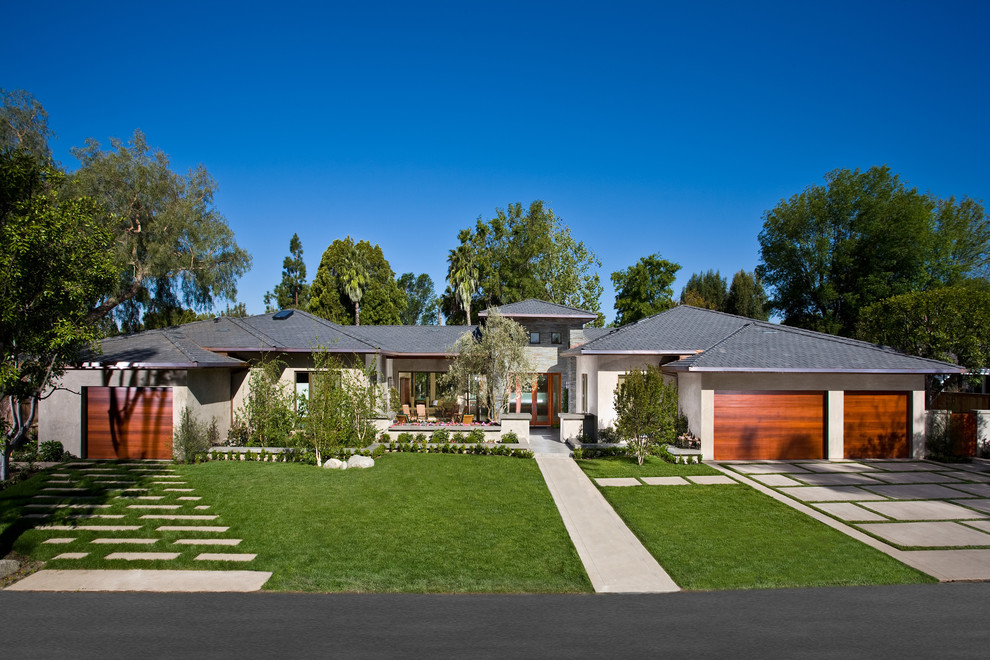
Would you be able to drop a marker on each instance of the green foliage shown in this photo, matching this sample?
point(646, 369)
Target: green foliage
point(191, 439)
point(268, 412)
point(440, 436)
point(510, 438)
point(521, 254)
point(405, 437)
point(475, 436)
point(24, 125)
point(497, 353)
point(55, 261)
point(948, 323)
point(170, 241)
point(705, 290)
point(833, 250)
point(51, 451)
point(646, 408)
point(644, 289)
point(747, 297)
point(381, 300)
point(421, 298)
point(292, 291)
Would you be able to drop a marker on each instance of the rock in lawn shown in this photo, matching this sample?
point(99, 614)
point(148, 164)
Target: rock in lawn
point(335, 464)
point(360, 462)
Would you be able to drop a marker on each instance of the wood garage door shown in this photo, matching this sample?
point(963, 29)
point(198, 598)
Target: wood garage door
point(128, 422)
point(769, 425)
point(875, 425)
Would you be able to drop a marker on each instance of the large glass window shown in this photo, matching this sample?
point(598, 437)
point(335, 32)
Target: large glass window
point(584, 393)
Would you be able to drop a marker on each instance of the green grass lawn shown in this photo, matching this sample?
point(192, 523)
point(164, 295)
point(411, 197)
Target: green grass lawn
point(622, 466)
point(733, 537)
point(413, 523)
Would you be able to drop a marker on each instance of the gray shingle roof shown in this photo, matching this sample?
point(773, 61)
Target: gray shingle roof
point(157, 348)
point(412, 339)
point(300, 332)
point(532, 308)
point(679, 331)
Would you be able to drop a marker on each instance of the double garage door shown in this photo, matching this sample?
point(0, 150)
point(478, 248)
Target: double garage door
point(128, 422)
point(792, 425)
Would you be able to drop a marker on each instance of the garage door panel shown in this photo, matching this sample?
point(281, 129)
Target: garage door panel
point(769, 425)
point(875, 425)
point(128, 422)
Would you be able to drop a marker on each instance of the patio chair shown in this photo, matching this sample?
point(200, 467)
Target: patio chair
point(467, 419)
point(405, 411)
point(421, 412)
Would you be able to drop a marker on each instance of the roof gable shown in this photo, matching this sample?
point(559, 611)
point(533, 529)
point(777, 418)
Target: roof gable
point(533, 308)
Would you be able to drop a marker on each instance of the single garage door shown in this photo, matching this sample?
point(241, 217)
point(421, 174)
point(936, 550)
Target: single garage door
point(769, 425)
point(128, 422)
point(875, 425)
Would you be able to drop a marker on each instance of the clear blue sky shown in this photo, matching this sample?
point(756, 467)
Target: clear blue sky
point(648, 127)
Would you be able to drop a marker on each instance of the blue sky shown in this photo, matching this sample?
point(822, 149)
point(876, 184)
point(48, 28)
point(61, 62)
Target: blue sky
point(648, 127)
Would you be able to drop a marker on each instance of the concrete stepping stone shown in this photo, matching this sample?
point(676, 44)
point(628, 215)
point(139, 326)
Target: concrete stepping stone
point(208, 541)
point(141, 497)
point(96, 469)
point(68, 506)
point(190, 498)
point(179, 490)
point(838, 467)
point(983, 490)
point(60, 540)
point(173, 516)
point(665, 481)
point(202, 507)
point(848, 511)
point(61, 489)
point(898, 466)
point(713, 480)
point(983, 525)
point(829, 493)
point(923, 510)
point(64, 496)
point(71, 555)
point(618, 481)
point(61, 474)
point(97, 516)
point(58, 481)
point(113, 482)
point(135, 490)
point(129, 541)
point(36, 516)
point(169, 476)
point(914, 477)
point(191, 528)
point(916, 492)
point(838, 479)
point(968, 476)
point(927, 534)
point(92, 528)
point(774, 480)
point(220, 556)
point(767, 468)
point(167, 483)
point(154, 506)
point(139, 556)
point(979, 505)
point(143, 580)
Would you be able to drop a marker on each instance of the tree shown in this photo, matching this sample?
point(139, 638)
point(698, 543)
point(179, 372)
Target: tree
point(524, 254)
point(705, 290)
point(863, 237)
point(462, 276)
point(55, 261)
point(382, 302)
point(421, 298)
point(354, 278)
point(24, 125)
point(746, 297)
point(170, 240)
point(644, 289)
point(646, 408)
point(949, 324)
point(267, 415)
point(497, 353)
point(292, 291)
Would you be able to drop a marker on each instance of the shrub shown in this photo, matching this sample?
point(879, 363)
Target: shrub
point(405, 437)
point(440, 436)
point(51, 451)
point(608, 435)
point(421, 438)
point(268, 412)
point(190, 438)
point(510, 438)
point(476, 435)
point(578, 453)
point(458, 437)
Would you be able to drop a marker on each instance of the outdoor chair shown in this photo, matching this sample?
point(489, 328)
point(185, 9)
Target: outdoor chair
point(467, 419)
point(421, 411)
point(405, 411)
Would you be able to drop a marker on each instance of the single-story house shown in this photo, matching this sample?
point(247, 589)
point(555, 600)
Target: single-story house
point(749, 389)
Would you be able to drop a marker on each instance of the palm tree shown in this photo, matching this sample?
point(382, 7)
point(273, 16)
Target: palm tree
point(355, 280)
point(462, 275)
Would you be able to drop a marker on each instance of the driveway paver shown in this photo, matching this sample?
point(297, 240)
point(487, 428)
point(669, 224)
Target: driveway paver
point(983, 490)
point(979, 505)
point(927, 534)
point(917, 492)
point(767, 468)
point(923, 510)
point(914, 477)
point(774, 480)
point(848, 511)
point(838, 467)
point(830, 493)
point(838, 479)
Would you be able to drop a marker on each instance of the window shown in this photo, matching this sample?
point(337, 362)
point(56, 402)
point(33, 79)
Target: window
point(622, 381)
point(302, 391)
point(534, 338)
point(554, 337)
point(584, 393)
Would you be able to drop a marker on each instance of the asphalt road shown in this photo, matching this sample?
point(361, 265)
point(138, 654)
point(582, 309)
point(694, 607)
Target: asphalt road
point(915, 621)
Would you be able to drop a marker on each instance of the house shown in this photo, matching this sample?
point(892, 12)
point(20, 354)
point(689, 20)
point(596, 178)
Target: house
point(749, 389)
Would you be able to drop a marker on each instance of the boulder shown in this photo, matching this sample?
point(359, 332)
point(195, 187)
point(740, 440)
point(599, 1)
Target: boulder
point(335, 464)
point(356, 461)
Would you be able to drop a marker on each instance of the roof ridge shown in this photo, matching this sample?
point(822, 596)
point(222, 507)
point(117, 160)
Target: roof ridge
point(174, 341)
point(252, 331)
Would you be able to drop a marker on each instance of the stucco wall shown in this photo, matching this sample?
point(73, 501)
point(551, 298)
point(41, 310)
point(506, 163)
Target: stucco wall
point(610, 367)
point(209, 396)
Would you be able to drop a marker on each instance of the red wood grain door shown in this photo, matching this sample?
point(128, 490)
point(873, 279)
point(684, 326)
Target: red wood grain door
point(875, 425)
point(769, 425)
point(129, 422)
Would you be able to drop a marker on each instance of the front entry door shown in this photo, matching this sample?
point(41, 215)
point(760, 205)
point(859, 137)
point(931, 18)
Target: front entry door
point(546, 399)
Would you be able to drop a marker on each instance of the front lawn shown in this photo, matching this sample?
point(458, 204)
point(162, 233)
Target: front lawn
point(653, 466)
point(733, 537)
point(413, 523)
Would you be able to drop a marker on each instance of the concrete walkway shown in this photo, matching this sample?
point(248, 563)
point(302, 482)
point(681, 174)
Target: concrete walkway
point(614, 558)
point(143, 580)
point(547, 441)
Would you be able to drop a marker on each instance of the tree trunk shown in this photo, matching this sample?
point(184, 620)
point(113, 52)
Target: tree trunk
point(357, 313)
point(5, 463)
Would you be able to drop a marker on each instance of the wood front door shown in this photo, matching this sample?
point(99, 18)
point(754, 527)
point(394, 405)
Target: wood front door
point(129, 422)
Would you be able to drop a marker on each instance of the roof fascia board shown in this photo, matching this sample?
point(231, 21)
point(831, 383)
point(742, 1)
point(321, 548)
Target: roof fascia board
point(812, 371)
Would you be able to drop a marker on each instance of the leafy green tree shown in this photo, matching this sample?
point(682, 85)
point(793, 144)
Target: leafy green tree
point(705, 290)
point(462, 277)
point(863, 237)
point(525, 253)
point(292, 291)
point(421, 297)
point(55, 261)
point(644, 289)
point(267, 414)
point(646, 407)
point(170, 240)
point(747, 297)
point(24, 125)
point(496, 353)
point(355, 280)
point(382, 302)
point(949, 324)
